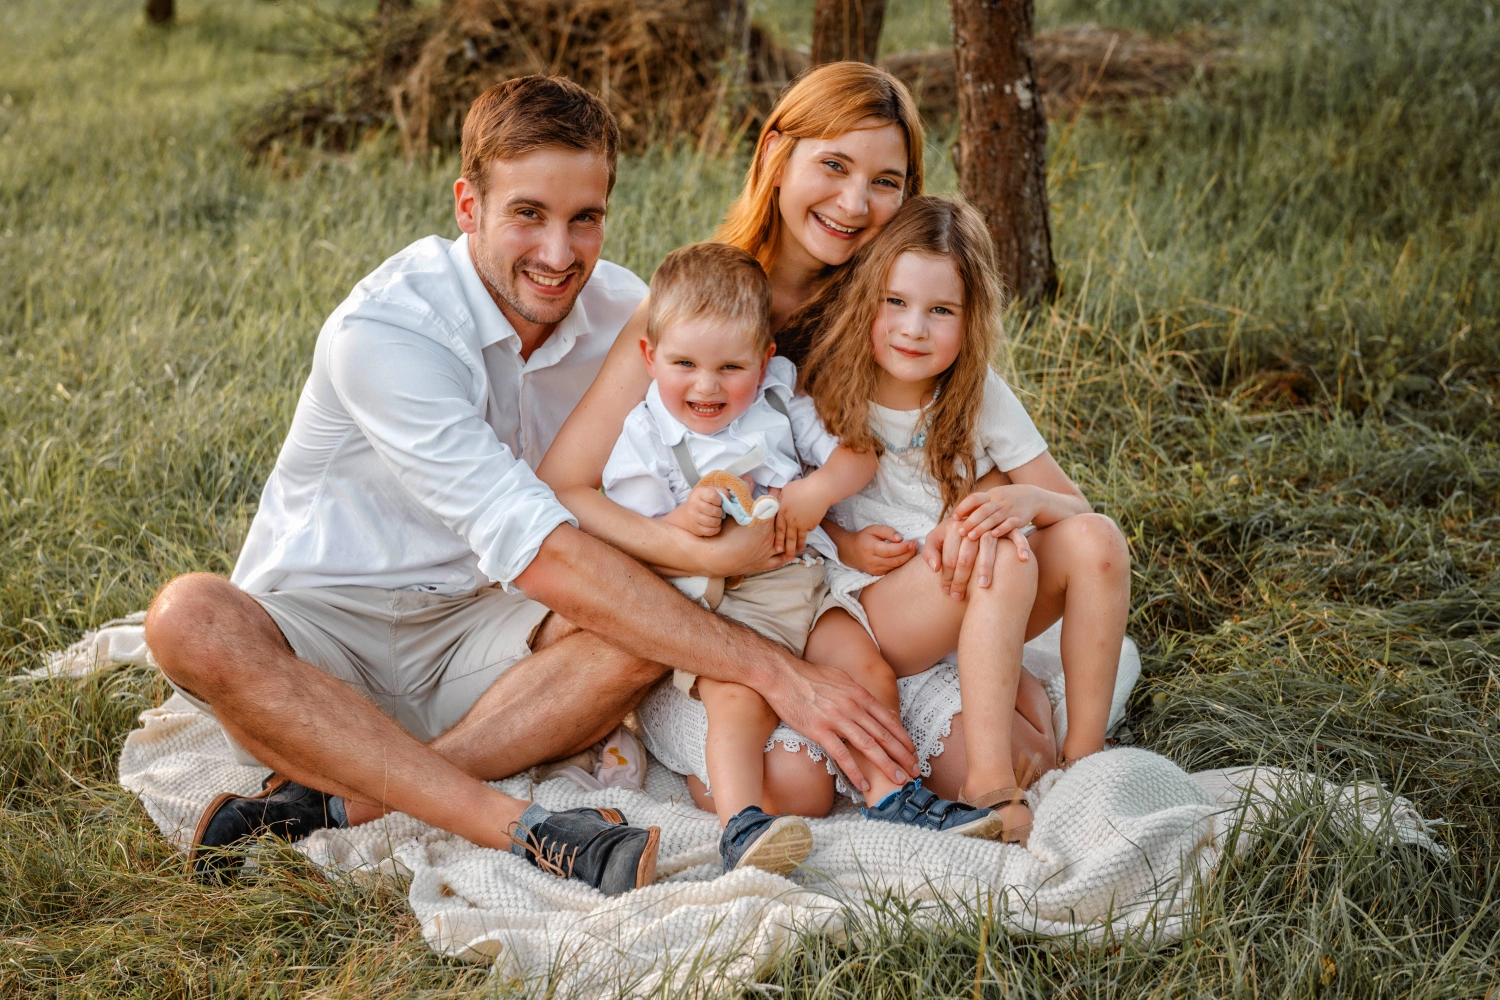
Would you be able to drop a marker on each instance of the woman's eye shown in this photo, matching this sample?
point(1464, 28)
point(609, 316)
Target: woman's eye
point(834, 165)
point(888, 182)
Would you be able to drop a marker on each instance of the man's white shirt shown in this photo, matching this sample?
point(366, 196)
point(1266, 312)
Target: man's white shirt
point(642, 474)
point(409, 462)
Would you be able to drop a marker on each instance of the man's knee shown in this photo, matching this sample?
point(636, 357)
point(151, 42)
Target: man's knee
point(196, 625)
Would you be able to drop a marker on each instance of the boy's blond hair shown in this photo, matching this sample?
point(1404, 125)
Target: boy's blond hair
point(714, 280)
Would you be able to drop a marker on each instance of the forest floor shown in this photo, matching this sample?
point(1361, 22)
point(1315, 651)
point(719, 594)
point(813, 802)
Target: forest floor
point(1275, 359)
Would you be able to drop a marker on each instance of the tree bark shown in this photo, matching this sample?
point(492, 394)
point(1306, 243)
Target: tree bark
point(1002, 169)
point(847, 29)
point(160, 11)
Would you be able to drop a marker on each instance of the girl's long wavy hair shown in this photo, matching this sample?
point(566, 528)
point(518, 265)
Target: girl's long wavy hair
point(839, 370)
point(826, 101)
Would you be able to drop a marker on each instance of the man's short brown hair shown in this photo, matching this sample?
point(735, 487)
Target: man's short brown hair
point(533, 112)
point(715, 280)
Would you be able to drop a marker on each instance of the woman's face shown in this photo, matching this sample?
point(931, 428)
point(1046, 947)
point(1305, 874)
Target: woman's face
point(837, 193)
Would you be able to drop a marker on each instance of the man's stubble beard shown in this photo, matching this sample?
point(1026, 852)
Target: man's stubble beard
point(507, 290)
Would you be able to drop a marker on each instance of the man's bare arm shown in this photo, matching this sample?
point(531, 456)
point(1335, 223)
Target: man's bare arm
point(599, 588)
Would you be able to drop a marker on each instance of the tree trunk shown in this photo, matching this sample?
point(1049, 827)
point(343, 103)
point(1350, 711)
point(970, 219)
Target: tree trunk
point(847, 29)
point(1002, 168)
point(160, 11)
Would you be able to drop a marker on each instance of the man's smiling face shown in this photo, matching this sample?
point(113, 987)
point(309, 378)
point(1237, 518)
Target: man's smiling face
point(536, 232)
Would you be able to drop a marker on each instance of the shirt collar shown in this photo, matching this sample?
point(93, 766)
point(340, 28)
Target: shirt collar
point(492, 326)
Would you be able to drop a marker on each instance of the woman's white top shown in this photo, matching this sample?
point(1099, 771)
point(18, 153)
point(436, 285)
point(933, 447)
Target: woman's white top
point(903, 495)
point(642, 473)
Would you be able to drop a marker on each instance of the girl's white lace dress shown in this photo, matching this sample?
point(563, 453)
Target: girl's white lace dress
point(900, 495)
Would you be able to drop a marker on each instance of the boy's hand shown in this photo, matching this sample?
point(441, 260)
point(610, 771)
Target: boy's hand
point(702, 513)
point(803, 507)
point(876, 550)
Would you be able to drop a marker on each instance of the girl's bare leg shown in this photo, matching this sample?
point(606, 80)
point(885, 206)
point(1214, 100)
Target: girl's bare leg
point(739, 723)
point(1083, 568)
point(989, 670)
point(839, 641)
point(795, 785)
point(1033, 744)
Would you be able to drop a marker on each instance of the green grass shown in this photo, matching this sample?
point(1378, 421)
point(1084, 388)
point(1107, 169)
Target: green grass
point(1275, 360)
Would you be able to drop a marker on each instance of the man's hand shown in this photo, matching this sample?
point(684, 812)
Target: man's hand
point(875, 550)
point(702, 513)
point(825, 705)
point(740, 549)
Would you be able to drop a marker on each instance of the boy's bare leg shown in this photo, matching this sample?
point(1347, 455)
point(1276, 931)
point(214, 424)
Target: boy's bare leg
point(216, 642)
point(839, 641)
point(739, 723)
point(1083, 568)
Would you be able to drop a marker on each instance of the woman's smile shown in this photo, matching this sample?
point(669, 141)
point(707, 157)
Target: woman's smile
point(836, 230)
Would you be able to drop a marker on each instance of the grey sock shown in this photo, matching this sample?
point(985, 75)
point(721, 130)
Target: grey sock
point(336, 812)
point(533, 815)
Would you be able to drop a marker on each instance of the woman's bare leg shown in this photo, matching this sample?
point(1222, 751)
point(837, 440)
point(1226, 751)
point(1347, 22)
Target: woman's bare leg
point(1083, 569)
point(839, 641)
point(739, 723)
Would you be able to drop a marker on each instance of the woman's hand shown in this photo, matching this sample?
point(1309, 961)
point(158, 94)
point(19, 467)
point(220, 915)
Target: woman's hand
point(875, 550)
point(702, 513)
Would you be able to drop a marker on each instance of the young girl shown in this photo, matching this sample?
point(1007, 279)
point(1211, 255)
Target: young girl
point(898, 352)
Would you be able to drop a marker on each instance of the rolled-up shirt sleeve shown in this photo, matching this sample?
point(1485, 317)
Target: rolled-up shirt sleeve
point(411, 398)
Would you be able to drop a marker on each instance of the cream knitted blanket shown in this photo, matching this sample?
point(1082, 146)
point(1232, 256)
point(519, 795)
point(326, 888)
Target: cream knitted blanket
point(1119, 842)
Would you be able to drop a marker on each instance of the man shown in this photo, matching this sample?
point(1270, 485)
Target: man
point(413, 612)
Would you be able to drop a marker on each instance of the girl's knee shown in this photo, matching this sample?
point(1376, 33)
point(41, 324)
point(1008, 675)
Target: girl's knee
point(1099, 539)
point(727, 698)
point(873, 674)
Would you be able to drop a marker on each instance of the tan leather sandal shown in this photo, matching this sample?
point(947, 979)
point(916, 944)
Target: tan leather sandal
point(1001, 799)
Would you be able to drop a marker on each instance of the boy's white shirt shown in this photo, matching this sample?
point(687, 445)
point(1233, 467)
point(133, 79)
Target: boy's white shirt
point(642, 474)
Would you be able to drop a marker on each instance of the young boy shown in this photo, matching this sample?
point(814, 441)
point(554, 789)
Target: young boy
point(721, 401)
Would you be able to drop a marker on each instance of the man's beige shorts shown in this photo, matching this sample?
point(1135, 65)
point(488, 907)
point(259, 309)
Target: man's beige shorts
point(424, 659)
point(779, 604)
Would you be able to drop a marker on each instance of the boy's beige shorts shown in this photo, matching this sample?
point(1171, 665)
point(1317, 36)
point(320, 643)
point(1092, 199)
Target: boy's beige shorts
point(780, 604)
point(423, 658)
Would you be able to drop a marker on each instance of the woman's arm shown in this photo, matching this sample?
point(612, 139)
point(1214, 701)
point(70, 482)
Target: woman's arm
point(574, 468)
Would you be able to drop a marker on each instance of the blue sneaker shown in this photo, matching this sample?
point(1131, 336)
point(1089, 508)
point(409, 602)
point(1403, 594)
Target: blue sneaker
point(754, 839)
point(913, 805)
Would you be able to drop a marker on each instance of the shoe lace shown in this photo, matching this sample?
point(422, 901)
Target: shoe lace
point(549, 854)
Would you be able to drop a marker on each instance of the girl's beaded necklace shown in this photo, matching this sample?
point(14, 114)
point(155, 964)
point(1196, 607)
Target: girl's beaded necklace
point(919, 436)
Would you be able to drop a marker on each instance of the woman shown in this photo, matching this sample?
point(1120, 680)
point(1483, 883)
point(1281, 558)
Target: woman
point(835, 159)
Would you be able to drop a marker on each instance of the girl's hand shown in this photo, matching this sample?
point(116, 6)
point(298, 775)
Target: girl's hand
point(702, 513)
point(951, 552)
point(803, 506)
point(876, 550)
point(999, 511)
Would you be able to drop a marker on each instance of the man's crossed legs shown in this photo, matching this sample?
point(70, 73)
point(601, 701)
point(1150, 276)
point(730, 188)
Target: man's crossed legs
point(319, 725)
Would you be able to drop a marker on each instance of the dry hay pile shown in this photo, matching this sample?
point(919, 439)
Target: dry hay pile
point(663, 66)
point(1101, 68)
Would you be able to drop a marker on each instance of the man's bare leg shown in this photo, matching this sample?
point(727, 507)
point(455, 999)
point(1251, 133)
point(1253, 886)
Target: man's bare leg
point(570, 693)
point(215, 641)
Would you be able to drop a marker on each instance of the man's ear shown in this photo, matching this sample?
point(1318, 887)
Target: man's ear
point(466, 207)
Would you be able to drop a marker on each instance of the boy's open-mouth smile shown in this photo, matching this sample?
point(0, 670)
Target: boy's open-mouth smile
point(836, 230)
point(705, 410)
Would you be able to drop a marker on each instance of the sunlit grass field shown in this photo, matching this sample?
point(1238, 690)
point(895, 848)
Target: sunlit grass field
point(1275, 359)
